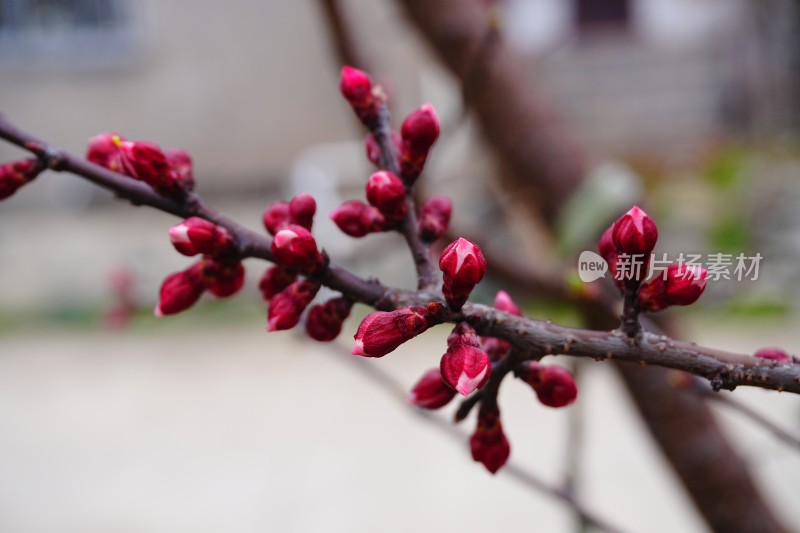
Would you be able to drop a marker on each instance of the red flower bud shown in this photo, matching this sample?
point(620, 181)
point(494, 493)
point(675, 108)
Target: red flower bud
point(198, 236)
point(503, 302)
point(489, 444)
point(302, 209)
point(463, 265)
point(274, 280)
point(224, 277)
point(774, 354)
point(295, 247)
point(554, 385)
point(276, 217)
point(465, 366)
point(683, 286)
point(431, 392)
point(286, 307)
point(381, 332)
point(635, 233)
point(357, 219)
point(15, 174)
point(104, 150)
point(499, 348)
point(434, 217)
point(181, 163)
point(181, 290)
point(419, 131)
point(146, 162)
point(356, 87)
point(324, 321)
point(387, 192)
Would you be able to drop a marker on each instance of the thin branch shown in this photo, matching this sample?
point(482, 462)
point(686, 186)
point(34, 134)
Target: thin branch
point(347, 52)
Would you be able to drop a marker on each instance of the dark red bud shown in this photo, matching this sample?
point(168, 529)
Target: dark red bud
point(274, 280)
point(357, 219)
point(286, 307)
point(381, 332)
point(489, 445)
point(276, 217)
point(180, 290)
point(463, 265)
point(387, 193)
point(295, 247)
point(555, 386)
point(324, 321)
point(434, 217)
point(15, 174)
point(431, 392)
point(302, 209)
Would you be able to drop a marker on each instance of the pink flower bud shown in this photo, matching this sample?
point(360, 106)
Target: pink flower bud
point(276, 217)
point(381, 332)
point(635, 233)
point(419, 131)
point(555, 386)
point(286, 307)
point(181, 290)
point(465, 366)
point(357, 219)
point(295, 247)
point(434, 217)
point(431, 392)
point(324, 321)
point(198, 236)
point(224, 277)
point(302, 209)
point(463, 265)
point(387, 192)
point(146, 162)
point(15, 174)
point(181, 163)
point(503, 302)
point(774, 354)
point(356, 87)
point(274, 280)
point(681, 284)
point(499, 348)
point(104, 150)
point(489, 444)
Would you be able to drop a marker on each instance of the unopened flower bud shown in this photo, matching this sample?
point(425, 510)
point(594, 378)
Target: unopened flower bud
point(198, 236)
point(104, 150)
point(431, 392)
point(286, 307)
point(465, 366)
point(554, 386)
point(181, 163)
point(356, 87)
point(381, 332)
point(274, 280)
point(357, 219)
point(499, 348)
point(15, 174)
point(324, 321)
point(463, 265)
point(276, 217)
point(489, 444)
point(774, 354)
point(434, 217)
point(181, 290)
point(635, 233)
point(224, 277)
point(680, 284)
point(302, 209)
point(503, 302)
point(386, 192)
point(146, 162)
point(295, 247)
point(418, 132)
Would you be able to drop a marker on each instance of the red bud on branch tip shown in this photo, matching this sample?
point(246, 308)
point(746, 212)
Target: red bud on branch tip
point(463, 265)
point(386, 192)
point(434, 217)
point(302, 209)
point(489, 444)
point(418, 133)
point(15, 174)
point(635, 233)
point(181, 163)
point(324, 321)
point(774, 354)
point(381, 332)
point(295, 247)
point(431, 392)
point(464, 366)
point(286, 307)
point(104, 150)
point(356, 87)
point(274, 280)
point(554, 386)
point(224, 277)
point(680, 284)
point(357, 219)
point(276, 217)
point(180, 290)
point(198, 236)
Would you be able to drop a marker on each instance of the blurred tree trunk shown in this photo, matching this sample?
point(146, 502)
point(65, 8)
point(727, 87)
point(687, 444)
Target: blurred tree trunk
point(540, 155)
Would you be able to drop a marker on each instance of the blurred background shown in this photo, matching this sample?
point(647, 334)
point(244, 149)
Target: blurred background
point(556, 116)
